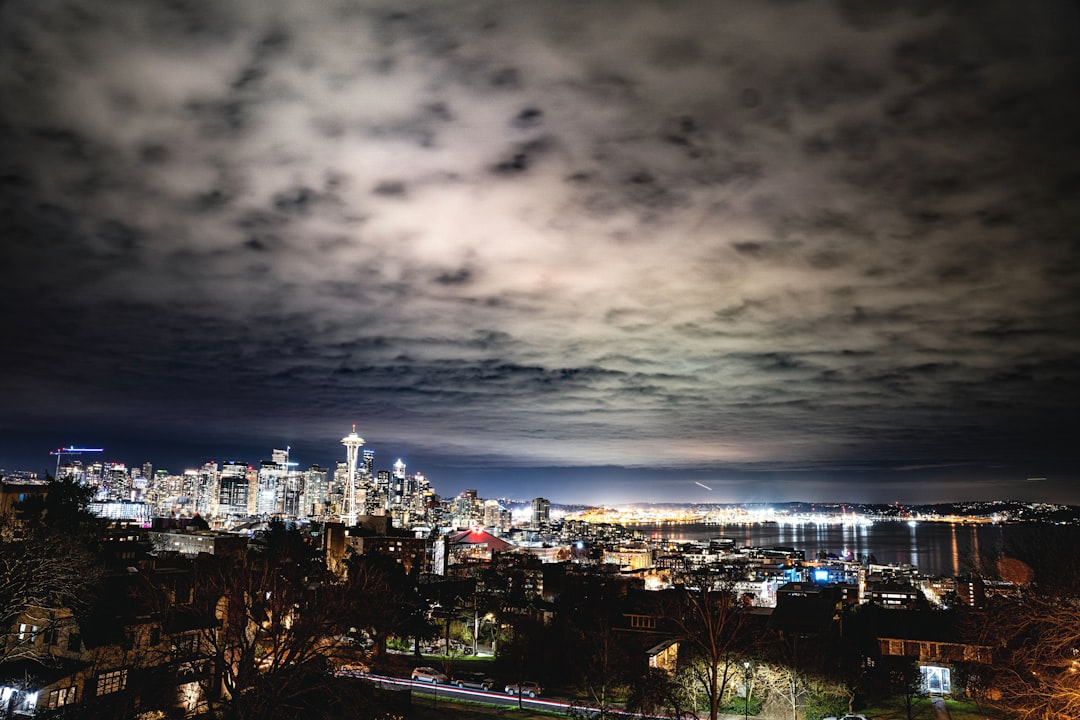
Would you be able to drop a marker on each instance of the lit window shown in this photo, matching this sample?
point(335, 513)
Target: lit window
point(111, 682)
point(642, 622)
point(61, 697)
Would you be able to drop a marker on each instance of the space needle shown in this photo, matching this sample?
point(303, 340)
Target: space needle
point(352, 443)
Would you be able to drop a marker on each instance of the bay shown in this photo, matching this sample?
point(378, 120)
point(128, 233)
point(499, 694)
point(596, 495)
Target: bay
point(935, 548)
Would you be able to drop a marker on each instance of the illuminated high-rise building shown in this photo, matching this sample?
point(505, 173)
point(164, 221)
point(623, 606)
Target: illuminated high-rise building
point(541, 511)
point(492, 513)
point(368, 471)
point(206, 490)
point(115, 482)
point(336, 498)
point(316, 491)
point(234, 489)
point(398, 492)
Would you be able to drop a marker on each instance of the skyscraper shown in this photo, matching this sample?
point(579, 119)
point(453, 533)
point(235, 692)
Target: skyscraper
point(398, 491)
point(368, 471)
point(541, 511)
point(234, 489)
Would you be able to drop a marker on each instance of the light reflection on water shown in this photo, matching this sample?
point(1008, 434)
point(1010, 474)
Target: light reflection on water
point(935, 548)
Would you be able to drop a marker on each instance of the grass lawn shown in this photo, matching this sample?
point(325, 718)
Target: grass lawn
point(894, 709)
point(959, 710)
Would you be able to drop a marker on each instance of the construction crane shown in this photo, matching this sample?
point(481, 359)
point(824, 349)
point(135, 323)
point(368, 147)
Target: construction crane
point(59, 453)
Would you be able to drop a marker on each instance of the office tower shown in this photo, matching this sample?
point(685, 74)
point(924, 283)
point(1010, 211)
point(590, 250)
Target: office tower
point(398, 492)
point(382, 489)
point(368, 472)
point(291, 494)
point(336, 498)
point(541, 511)
point(93, 477)
point(189, 488)
point(316, 491)
point(491, 513)
point(234, 488)
point(116, 483)
point(467, 509)
point(271, 485)
point(206, 490)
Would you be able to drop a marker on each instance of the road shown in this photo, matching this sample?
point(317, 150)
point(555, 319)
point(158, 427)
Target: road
point(492, 697)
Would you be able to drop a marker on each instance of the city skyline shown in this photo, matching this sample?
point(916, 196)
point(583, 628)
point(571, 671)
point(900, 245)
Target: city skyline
point(598, 252)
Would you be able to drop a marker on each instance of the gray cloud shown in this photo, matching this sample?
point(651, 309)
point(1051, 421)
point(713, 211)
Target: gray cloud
point(721, 236)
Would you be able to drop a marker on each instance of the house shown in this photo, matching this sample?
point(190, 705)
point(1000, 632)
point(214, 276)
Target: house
point(930, 638)
point(135, 647)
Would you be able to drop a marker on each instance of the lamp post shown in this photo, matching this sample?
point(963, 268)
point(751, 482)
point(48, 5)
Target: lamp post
point(746, 689)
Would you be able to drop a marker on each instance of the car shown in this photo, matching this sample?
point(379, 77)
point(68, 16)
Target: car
point(472, 680)
point(528, 688)
point(354, 667)
point(428, 674)
point(846, 717)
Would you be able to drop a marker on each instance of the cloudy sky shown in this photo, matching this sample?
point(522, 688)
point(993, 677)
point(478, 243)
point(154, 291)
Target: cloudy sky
point(601, 251)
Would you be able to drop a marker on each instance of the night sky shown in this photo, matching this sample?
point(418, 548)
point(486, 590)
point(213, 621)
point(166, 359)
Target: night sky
point(598, 251)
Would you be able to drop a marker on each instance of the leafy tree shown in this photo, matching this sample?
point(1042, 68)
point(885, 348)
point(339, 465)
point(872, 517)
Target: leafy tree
point(905, 680)
point(61, 509)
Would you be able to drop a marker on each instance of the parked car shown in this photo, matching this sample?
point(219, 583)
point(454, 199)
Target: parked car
point(354, 667)
point(428, 674)
point(472, 680)
point(528, 688)
point(847, 717)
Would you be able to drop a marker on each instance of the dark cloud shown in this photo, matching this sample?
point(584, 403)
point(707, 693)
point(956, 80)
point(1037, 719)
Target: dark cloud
point(803, 241)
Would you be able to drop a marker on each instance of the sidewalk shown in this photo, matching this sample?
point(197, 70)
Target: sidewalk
point(940, 711)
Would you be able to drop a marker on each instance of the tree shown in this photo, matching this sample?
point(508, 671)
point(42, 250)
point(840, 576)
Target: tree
point(524, 648)
point(47, 568)
point(1036, 670)
point(657, 693)
point(785, 689)
point(905, 680)
point(383, 599)
point(604, 660)
point(279, 616)
point(61, 509)
point(1035, 633)
point(711, 621)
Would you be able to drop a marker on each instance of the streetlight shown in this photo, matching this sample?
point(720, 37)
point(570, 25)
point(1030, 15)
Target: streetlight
point(746, 689)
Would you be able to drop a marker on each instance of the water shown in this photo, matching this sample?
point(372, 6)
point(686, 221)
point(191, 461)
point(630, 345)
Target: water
point(936, 548)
